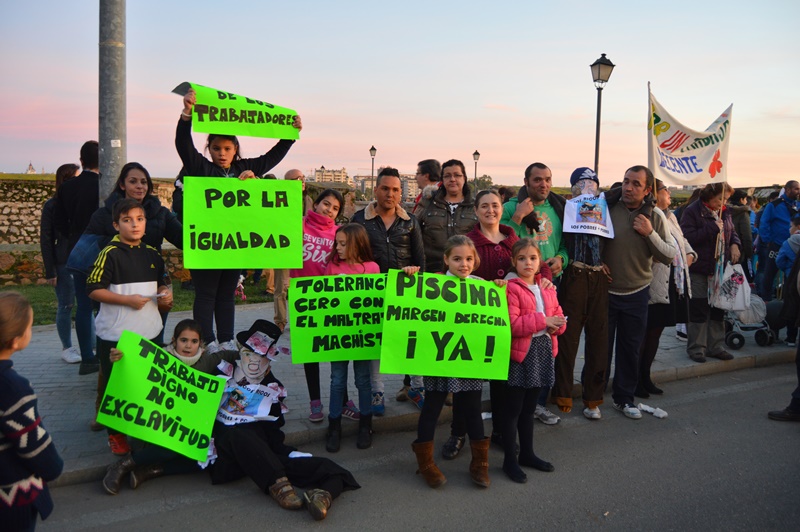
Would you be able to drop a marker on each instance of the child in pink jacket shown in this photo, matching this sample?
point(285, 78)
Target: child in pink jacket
point(319, 230)
point(536, 318)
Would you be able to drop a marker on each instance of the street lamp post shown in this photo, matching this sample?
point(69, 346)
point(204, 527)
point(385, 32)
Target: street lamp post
point(476, 156)
point(372, 152)
point(601, 71)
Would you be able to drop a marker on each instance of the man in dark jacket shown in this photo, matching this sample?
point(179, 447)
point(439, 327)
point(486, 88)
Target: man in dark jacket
point(77, 201)
point(396, 241)
point(773, 230)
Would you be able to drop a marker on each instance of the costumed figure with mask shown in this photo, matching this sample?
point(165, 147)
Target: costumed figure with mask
point(583, 295)
point(248, 436)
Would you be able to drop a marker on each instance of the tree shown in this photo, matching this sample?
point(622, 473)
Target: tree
point(483, 182)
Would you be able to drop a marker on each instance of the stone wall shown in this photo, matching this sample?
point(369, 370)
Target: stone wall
point(21, 207)
point(22, 264)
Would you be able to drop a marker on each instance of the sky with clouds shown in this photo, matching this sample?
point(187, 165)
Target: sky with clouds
point(415, 79)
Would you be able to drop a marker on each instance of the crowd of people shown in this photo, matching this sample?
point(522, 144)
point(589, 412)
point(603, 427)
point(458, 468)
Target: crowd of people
point(620, 293)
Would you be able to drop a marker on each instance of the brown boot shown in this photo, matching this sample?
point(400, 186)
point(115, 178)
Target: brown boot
point(427, 467)
point(145, 473)
point(283, 492)
point(116, 471)
point(318, 501)
point(479, 466)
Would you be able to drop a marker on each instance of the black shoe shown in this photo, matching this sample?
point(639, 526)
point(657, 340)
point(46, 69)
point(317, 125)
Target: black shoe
point(641, 392)
point(88, 368)
point(537, 463)
point(786, 414)
point(452, 447)
point(334, 435)
point(515, 473)
point(652, 388)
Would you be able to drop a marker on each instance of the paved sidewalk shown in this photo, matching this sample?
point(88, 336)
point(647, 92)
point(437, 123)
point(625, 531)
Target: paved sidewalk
point(66, 400)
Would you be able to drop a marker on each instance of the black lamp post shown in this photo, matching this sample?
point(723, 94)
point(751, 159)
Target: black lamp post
point(476, 156)
point(372, 152)
point(601, 71)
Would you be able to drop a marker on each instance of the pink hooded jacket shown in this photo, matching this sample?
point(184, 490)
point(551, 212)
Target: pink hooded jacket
point(318, 237)
point(525, 320)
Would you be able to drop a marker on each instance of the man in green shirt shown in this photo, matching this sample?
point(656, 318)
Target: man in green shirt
point(539, 213)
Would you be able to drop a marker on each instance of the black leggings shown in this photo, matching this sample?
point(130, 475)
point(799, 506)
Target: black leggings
point(518, 418)
point(468, 403)
point(213, 302)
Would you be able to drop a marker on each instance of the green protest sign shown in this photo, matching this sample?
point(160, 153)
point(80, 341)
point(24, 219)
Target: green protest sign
point(231, 224)
point(336, 317)
point(225, 113)
point(443, 326)
point(153, 396)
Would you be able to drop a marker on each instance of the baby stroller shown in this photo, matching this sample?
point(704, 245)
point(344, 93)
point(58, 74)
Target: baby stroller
point(751, 319)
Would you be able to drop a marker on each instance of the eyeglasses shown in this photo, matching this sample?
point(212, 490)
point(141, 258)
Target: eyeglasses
point(452, 176)
point(663, 188)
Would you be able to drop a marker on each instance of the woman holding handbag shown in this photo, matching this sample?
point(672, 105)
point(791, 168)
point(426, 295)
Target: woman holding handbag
point(708, 227)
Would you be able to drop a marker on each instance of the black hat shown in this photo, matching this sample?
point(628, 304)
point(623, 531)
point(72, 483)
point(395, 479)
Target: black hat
point(260, 337)
point(583, 173)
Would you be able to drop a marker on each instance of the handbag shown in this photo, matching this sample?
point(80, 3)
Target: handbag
point(81, 258)
point(729, 289)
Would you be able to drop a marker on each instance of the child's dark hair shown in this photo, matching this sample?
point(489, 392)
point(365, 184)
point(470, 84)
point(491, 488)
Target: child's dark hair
point(358, 249)
point(187, 325)
point(123, 206)
point(213, 136)
point(462, 240)
point(330, 192)
point(15, 313)
point(796, 221)
point(522, 244)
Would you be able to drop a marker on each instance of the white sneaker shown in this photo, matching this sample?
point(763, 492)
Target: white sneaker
point(545, 416)
point(70, 355)
point(592, 413)
point(629, 410)
point(213, 347)
point(230, 345)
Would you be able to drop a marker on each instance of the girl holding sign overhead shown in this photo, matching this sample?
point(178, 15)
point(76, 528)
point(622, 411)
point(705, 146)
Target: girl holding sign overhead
point(536, 318)
point(214, 289)
point(461, 259)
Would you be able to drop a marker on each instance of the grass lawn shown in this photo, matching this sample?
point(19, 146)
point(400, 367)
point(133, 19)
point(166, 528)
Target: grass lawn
point(43, 299)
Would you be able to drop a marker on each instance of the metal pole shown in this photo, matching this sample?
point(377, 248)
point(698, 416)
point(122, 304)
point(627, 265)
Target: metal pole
point(597, 131)
point(113, 138)
point(475, 181)
point(372, 179)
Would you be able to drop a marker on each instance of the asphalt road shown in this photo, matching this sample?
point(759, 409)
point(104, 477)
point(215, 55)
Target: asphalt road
point(716, 463)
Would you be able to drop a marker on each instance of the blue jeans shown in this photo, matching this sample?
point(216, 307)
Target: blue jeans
point(770, 272)
point(627, 322)
point(84, 318)
point(339, 385)
point(65, 296)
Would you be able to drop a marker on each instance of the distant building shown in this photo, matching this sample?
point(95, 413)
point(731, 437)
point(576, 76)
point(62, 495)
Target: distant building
point(327, 175)
point(31, 169)
point(410, 187)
